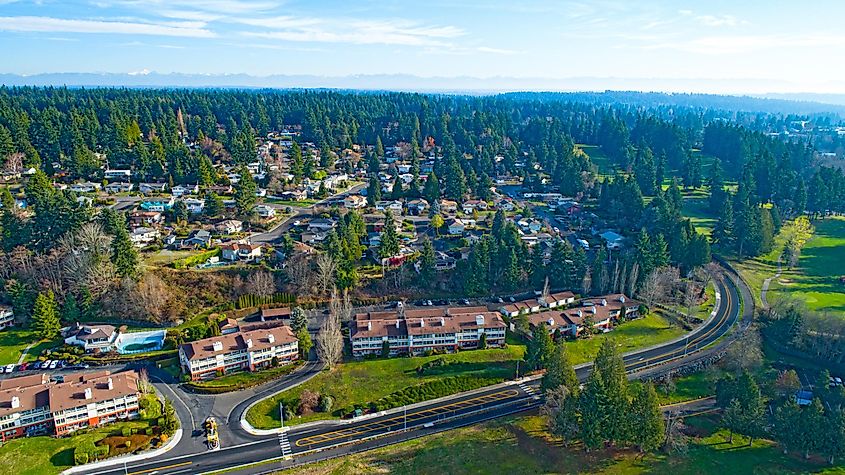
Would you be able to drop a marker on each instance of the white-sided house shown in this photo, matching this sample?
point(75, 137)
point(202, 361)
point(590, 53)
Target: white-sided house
point(194, 205)
point(557, 299)
point(236, 251)
point(354, 202)
point(243, 350)
point(182, 190)
point(265, 211)
point(85, 187)
point(229, 226)
point(143, 236)
point(394, 206)
point(91, 337)
point(147, 188)
point(7, 317)
point(614, 240)
point(119, 187)
point(122, 175)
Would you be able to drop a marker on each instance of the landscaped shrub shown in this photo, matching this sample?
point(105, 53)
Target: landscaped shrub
point(326, 403)
point(79, 458)
point(195, 260)
point(426, 391)
point(125, 431)
point(249, 300)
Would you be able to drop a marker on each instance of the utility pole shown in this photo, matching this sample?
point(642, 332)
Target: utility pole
point(517, 369)
point(405, 417)
point(282, 413)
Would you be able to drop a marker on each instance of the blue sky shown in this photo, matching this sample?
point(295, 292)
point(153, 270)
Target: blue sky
point(787, 45)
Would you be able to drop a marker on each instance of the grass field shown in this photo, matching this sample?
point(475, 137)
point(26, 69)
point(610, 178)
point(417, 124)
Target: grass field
point(815, 281)
point(521, 445)
point(359, 382)
point(696, 208)
point(45, 455)
point(13, 342)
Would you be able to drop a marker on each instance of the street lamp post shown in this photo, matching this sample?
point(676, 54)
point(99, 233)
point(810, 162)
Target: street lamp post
point(282, 413)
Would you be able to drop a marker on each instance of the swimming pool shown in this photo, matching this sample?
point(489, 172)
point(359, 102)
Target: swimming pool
point(139, 342)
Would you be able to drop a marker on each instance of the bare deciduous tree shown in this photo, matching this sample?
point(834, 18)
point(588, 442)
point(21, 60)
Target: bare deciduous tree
point(746, 352)
point(261, 283)
point(326, 268)
point(329, 338)
point(676, 442)
point(299, 273)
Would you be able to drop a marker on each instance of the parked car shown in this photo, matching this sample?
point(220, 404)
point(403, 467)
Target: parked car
point(54, 364)
point(36, 365)
point(429, 303)
point(464, 301)
point(24, 367)
point(10, 368)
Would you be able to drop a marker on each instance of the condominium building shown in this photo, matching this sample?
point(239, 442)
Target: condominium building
point(417, 331)
point(242, 350)
point(37, 404)
point(7, 317)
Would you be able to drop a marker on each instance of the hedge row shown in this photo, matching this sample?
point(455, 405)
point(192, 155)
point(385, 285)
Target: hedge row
point(196, 259)
point(426, 392)
point(250, 300)
point(203, 387)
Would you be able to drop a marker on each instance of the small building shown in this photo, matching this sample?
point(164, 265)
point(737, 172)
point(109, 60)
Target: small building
point(119, 187)
point(7, 317)
point(276, 314)
point(149, 188)
point(142, 218)
point(85, 187)
point(194, 205)
point(321, 224)
point(354, 202)
point(448, 206)
point(229, 226)
point(144, 236)
point(199, 238)
point(265, 211)
point(162, 204)
point(182, 190)
point(91, 337)
point(557, 299)
point(240, 252)
point(614, 241)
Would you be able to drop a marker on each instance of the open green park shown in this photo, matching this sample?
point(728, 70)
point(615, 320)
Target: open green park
point(816, 280)
point(361, 382)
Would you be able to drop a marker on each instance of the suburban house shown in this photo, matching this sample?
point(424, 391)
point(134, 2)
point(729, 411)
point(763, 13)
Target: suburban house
point(7, 317)
point(448, 206)
point(416, 331)
point(162, 204)
point(86, 187)
point(271, 314)
point(36, 404)
point(354, 202)
point(181, 190)
point(393, 206)
point(472, 205)
point(242, 350)
point(228, 325)
point(265, 211)
point(194, 205)
point(229, 226)
point(112, 175)
point(236, 251)
point(91, 337)
point(613, 240)
point(148, 188)
point(321, 224)
point(220, 189)
point(144, 236)
point(141, 218)
point(119, 187)
point(199, 238)
point(417, 207)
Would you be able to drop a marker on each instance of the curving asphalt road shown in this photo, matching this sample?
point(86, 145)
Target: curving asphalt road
point(303, 444)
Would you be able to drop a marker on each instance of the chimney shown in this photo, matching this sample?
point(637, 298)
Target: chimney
point(442, 322)
point(271, 338)
point(110, 383)
point(217, 346)
point(16, 402)
point(422, 322)
point(249, 342)
point(622, 298)
point(369, 325)
point(580, 314)
point(593, 310)
point(551, 321)
point(88, 393)
point(604, 302)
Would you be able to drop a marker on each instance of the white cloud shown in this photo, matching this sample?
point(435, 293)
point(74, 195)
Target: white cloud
point(485, 49)
point(743, 44)
point(361, 32)
point(718, 21)
point(226, 7)
point(49, 24)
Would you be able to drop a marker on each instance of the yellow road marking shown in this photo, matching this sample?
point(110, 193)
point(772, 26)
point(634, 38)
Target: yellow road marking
point(161, 468)
point(400, 419)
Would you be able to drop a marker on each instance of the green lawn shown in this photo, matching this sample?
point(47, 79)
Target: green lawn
point(696, 208)
point(644, 332)
point(13, 342)
point(359, 382)
point(522, 445)
point(46, 455)
point(687, 388)
point(245, 379)
point(815, 281)
point(293, 203)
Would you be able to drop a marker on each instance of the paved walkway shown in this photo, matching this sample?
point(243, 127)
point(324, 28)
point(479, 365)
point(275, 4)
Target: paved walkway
point(765, 289)
point(24, 352)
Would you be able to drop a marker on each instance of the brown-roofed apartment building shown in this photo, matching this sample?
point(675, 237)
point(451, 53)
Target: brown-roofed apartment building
point(35, 404)
point(242, 350)
point(420, 330)
point(603, 311)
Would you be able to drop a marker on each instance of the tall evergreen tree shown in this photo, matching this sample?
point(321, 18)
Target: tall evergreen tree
point(124, 255)
point(560, 372)
point(646, 419)
point(45, 316)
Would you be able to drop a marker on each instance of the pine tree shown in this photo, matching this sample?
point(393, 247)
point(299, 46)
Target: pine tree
point(298, 319)
point(594, 406)
point(245, 193)
point(540, 348)
point(373, 190)
point(723, 232)
point(787, 424)
point(305, 342)
point(70, 309)
point(611, 368)
point(427, 263)
point(124, 255)
point(45, 316)
point(646, 419)
point(560, 372)
point(431, 190)
point(396, 193)
point(297, 167)
point(213, 205)
point(389, 245)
